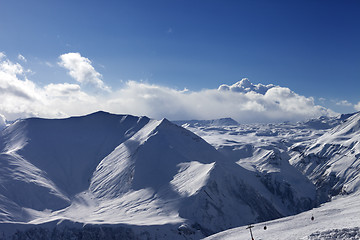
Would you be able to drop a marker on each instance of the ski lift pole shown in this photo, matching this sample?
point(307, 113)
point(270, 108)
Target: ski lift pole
point(250, 227)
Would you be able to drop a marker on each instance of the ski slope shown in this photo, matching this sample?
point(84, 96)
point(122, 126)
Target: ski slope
point(338, 219)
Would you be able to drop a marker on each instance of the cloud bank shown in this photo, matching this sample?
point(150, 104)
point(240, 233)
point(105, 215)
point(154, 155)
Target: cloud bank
point(243, 101)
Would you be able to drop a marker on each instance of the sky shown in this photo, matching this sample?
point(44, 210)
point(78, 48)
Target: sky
point(168, 58)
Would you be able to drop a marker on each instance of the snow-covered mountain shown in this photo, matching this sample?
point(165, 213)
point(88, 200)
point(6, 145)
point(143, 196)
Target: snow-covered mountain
point(121, 169)
point(325, 150)
point(45, 163)
point(128, 177)
point(332, 161)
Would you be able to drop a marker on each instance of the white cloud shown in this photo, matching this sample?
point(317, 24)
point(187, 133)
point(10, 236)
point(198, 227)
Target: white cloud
point(246, 86)
point(2, 55)
point(81, 70)
point(344, 103)
point(62, 89)
point(13, 81)
point(357, 106)
point(21, 97)
point(49, 64)
point(22, 58)
point(277, 104)
point(243, 101)
point(322, 100)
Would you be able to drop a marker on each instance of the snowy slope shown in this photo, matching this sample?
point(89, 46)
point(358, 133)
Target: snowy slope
point(288, 185)
point(264, 150)
point(328, 146)
point(332, 161)
point(45, 163)
point(338, 219)
point(166, 174)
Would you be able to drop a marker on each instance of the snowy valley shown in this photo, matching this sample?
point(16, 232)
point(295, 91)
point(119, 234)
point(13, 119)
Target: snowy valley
point(107, 176)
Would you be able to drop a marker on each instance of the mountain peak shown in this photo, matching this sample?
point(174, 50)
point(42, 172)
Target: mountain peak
point(349, 127)
point(165, 121)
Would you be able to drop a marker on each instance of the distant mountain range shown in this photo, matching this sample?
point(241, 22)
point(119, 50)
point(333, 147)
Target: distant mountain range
point(141, 178)
point(214, 122)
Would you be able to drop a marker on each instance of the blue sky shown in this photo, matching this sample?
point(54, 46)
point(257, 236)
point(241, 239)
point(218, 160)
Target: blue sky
point(311, 46)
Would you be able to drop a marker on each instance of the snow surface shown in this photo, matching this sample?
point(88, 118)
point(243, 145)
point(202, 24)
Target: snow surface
point(332, 161)
point(338, 219)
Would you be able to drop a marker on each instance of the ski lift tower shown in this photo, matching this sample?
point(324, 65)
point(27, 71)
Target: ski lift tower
point(250, 227)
